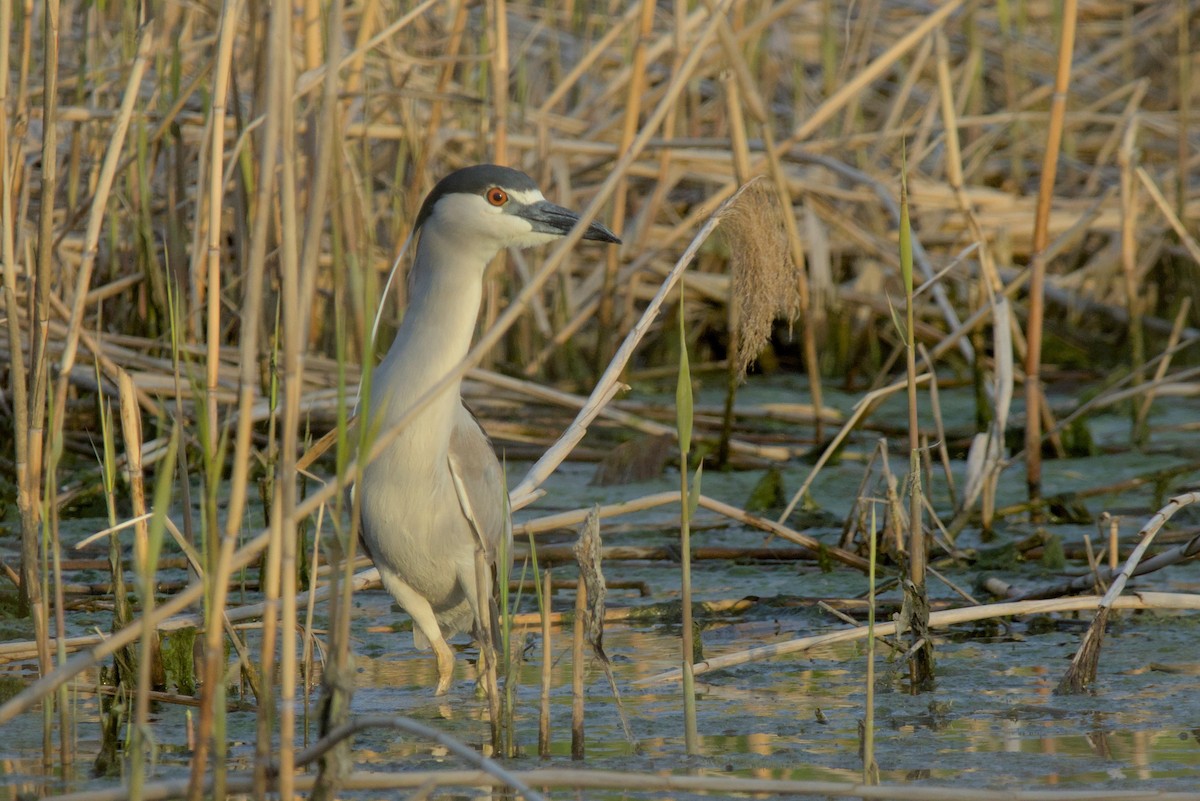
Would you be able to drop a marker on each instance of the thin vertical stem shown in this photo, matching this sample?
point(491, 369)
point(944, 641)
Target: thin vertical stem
point(1037, 278)
point(216, 172)
point(916, 553)
point(500, 70)
point(870, 769)
point(131, 430)
point(1183, 125)
point(30, 492)
point(220, 548)
point(547, 668)
point(12, 307)
point(1126, 159)
point(684, 418)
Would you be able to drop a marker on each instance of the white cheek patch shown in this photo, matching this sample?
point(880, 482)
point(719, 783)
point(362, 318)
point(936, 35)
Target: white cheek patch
point(526, 196)
point(465, 213)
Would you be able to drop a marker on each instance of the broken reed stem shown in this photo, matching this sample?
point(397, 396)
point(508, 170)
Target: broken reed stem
point(488, 674)
point(1114, 543)
point(1081, 674)
point(577, 670)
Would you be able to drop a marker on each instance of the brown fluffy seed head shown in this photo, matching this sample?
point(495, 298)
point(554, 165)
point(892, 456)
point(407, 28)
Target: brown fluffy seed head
point(766, 281)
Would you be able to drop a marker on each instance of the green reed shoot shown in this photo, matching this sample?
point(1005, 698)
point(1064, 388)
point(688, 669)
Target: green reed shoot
point(922, 662)
point(683, 426)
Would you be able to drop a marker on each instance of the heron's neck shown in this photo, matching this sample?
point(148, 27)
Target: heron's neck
point(434, 337)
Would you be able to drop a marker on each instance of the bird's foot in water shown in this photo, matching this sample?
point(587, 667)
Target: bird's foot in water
point(445, 665)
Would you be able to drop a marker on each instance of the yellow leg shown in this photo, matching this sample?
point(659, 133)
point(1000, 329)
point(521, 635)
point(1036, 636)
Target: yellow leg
point(445, 665)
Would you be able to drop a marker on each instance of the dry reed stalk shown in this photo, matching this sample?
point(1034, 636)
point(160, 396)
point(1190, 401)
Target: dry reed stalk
point(1127, 159)
point(31, 483)
point(1034, 401)
point(1185, 238)
point(18, 378)
point(220, 548)
point(1114, 543)
point(1137, 94)
point(674, 122)
point(207, 260)
point(131, 430)
point(298, 279)
point(606, 312)
point(418, 176)
point(295, 301)
point(1183, 124)
point(1081, 674)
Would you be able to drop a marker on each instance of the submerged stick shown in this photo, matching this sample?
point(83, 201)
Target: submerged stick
point(1143, 600)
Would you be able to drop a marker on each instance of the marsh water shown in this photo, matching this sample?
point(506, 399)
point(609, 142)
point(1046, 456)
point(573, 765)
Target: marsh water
point(992, 720)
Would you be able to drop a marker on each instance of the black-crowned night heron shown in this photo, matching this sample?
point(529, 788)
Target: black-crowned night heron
point(414, 524)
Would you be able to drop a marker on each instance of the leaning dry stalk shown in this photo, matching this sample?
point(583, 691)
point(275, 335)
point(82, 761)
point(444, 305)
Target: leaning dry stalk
point(607, 385)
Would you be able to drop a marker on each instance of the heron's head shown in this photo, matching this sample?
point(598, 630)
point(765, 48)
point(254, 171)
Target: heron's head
point(488, 207)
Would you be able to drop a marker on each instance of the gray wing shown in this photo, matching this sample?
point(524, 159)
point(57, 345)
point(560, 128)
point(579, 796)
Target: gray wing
point(475, 459)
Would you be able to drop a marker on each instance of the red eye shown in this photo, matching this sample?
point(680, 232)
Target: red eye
point(496, 196)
